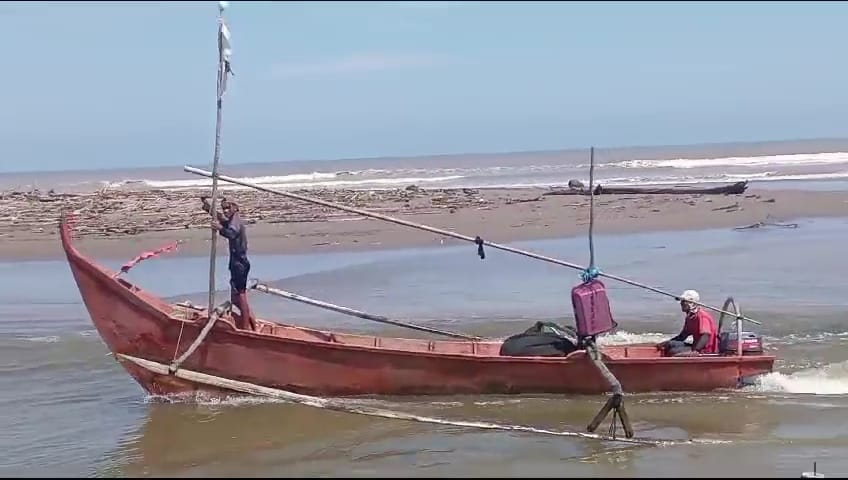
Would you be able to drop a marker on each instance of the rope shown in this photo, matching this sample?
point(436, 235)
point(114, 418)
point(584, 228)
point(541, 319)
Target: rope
point(179, 339)
point(592, 209)
point(447, 233)
point(592, 271)
point(213, 317)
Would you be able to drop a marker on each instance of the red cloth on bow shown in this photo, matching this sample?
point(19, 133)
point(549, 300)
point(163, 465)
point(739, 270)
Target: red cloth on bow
point(149, 254)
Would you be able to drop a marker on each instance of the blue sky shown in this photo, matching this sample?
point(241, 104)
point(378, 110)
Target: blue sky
point(104, 85)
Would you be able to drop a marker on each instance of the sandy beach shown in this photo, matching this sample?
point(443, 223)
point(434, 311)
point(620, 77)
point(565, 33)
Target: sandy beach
point(119, 224)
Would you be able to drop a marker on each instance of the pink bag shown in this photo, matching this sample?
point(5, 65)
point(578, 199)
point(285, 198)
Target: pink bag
point(592, 312)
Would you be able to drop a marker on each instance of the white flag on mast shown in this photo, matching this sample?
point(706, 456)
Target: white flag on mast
point(225, 51)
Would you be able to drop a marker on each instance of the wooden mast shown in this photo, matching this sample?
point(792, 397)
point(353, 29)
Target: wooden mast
point(223, 70)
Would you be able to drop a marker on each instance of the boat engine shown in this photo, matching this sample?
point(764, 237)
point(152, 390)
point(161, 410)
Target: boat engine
point(728, 342)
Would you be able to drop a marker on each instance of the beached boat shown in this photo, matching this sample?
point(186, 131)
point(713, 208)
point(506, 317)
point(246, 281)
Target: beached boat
point(136, 324)
point(736, 188)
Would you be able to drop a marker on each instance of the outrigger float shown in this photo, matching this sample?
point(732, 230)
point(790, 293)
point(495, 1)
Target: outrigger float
point(174, 348)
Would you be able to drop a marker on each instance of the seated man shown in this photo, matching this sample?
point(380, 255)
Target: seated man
point(699, 324)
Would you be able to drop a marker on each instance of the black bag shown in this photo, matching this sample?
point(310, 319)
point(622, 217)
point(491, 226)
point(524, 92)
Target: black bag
point(544, 339)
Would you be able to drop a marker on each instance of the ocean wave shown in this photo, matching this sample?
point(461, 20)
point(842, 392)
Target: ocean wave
point(815, 337)
point(263, 180)
point(374, 183)
point(715, 178)
point(729, 177)
point(44, 339)
point(627, 338)
point(754, 161)
point(683, 171)
point(460, 181)
point(831, 379)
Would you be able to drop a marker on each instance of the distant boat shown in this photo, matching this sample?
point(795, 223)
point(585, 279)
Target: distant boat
point(576, 187)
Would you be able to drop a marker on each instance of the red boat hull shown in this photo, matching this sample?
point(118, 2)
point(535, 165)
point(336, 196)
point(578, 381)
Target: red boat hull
point(134, 322)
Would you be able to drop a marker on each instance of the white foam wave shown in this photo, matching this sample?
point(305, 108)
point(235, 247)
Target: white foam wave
point(794, 159)
point(210, 400)
point(497, 402)
point(628, 338)
point(830, 379)
point(47, 339)
point(378, 184)
point(270, 182)
point(717, 178)
point(795, 338)
point(374, 182)
point(264, 180)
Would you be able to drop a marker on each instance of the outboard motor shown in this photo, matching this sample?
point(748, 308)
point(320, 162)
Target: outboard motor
point(752, 343)
point(728, 342)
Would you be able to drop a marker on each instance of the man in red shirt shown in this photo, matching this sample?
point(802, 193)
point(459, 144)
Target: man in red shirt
point(699, 324)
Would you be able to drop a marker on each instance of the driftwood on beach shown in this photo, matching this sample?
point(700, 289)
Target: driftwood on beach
point(157, 216)
point(732, 189)
point(118, 212)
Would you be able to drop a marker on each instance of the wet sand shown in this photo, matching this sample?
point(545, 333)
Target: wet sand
point(120, 224)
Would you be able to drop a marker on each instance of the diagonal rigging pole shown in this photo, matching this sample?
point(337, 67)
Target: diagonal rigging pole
point(480, 242)
point(356, 313)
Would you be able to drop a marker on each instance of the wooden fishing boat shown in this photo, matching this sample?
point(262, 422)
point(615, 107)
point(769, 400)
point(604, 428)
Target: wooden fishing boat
point(176, 349)
point(136, 323)
point(736, 188)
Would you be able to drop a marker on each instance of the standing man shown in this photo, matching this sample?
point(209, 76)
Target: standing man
point(230, 226)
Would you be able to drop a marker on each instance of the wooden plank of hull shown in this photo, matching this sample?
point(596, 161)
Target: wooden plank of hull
point(133, 322)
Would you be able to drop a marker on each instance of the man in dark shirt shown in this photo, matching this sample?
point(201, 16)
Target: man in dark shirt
point(230, 226)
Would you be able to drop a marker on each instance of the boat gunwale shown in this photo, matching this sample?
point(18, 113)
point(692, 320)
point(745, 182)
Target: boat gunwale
point(135, 295)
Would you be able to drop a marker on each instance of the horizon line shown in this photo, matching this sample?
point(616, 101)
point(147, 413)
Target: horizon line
point(443, 155)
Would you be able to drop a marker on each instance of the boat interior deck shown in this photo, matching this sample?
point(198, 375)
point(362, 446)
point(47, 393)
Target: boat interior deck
point(483, 348)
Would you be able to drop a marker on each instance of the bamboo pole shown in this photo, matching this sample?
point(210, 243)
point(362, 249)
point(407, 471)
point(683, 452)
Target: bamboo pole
point(591, 208)
point(213, 210)
point(448, 233)
point(615, 402)
point(356, 313)
point(213, 317)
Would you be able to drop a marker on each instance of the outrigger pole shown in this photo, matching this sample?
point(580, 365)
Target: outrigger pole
point(261, 287)
point(476, 240)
